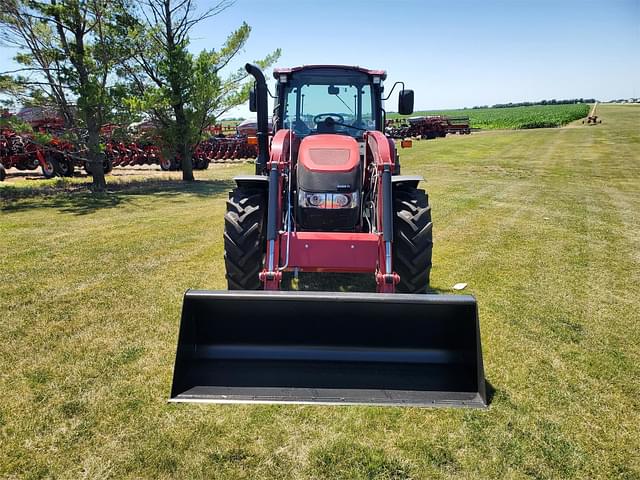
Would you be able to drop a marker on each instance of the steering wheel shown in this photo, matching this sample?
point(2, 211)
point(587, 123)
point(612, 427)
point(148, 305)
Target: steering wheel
point(323, 117)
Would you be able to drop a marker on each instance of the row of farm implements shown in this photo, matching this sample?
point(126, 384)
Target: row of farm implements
point(60, 157)
point(427, 127)
point(56, 156)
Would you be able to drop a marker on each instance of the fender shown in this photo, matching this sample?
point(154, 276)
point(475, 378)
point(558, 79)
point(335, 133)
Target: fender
point(410, 180)
point(257, 181)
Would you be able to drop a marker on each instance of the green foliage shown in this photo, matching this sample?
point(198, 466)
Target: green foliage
point(16, 124)
point(67, 50)
point(9, 89)
point(184, 93)
point(42, 138)
point(543, 102)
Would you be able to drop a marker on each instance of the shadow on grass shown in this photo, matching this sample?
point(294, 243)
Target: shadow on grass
point(78, 200)
point(336, 282)
point(330, 282)
point(491, 391)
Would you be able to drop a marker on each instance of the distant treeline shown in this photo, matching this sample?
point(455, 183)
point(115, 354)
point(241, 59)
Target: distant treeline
point(541, 102)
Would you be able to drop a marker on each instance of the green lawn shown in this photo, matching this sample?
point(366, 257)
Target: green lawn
point(544, 226)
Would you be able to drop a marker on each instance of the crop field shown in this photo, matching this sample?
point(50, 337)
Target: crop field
point(543, 225)
point(535, 116)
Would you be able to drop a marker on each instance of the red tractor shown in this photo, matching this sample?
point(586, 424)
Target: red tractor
point(328, 196)
point(337, 205)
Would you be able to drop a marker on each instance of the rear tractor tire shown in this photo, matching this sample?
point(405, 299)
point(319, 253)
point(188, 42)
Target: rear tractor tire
point(412, 239)
point(65, 168)
point(107, 164)
point(3, 173)
point(245, 237)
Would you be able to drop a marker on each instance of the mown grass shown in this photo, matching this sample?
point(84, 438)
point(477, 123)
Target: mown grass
point(543, 225)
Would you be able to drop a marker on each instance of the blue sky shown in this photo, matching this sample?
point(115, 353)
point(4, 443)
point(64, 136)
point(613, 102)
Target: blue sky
point(458, 53)
point(453, 54)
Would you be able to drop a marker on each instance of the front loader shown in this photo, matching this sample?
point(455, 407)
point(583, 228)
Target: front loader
point(327, 196)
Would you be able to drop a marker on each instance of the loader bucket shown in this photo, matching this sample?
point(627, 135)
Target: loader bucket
point(329, 348)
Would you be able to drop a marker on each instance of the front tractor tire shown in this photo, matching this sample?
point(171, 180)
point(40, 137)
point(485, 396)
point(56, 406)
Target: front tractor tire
point(49, 167)
point(245, 237)
point(412, 239)
point(167, 164)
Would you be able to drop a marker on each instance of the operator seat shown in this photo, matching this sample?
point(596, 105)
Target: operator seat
point(328, 125)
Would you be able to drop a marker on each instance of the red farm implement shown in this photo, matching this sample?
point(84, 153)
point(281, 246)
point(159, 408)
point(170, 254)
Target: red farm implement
point(418, 127)
point(459, 125)
point(44, 147)
point(427, 127)
point(23, 153)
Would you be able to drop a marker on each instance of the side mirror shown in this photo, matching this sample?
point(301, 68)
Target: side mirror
point(253, 104)
point(405, 102)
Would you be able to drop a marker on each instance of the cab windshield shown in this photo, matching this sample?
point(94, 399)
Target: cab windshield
point(328, 104)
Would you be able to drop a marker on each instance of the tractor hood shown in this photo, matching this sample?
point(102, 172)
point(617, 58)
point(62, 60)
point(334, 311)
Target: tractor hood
point(329, 153)
point(329, 163)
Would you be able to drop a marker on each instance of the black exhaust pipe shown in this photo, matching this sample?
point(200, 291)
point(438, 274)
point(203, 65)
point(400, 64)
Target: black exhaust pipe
point(263, 121)
point(329, 348)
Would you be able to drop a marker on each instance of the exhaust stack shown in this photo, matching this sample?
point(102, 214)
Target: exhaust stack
point(262, 126)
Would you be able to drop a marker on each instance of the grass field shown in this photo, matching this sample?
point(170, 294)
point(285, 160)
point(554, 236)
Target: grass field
point(535, 116)
point(544, 226)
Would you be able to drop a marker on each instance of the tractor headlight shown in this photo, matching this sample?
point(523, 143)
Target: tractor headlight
point(327, 200)
point(316, 199)
point(340, 200)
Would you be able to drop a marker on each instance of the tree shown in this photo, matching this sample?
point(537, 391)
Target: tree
point(9, 90)
point(67, 50)
point(182, 92)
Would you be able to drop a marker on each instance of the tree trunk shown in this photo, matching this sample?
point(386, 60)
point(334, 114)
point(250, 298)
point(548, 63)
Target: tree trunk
point(184, 148)
point(95, 156)
point(187, 163)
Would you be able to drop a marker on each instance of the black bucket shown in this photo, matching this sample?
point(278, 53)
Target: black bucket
point(329, 348)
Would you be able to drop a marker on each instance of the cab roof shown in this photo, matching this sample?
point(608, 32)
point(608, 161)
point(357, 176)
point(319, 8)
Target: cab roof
point(381, 73)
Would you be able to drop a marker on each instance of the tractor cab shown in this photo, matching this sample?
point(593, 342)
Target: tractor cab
point(333, 99)
point(329, 100)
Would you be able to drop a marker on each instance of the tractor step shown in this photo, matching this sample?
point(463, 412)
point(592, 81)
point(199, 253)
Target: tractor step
point(329, 348)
